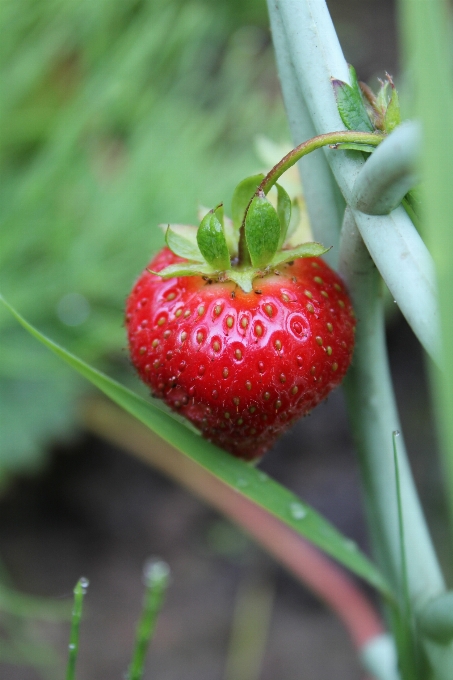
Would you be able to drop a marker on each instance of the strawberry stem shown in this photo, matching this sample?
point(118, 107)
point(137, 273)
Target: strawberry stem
point(332, 138)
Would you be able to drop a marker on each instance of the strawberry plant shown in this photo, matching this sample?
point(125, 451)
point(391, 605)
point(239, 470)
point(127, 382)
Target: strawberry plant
point(228, 322)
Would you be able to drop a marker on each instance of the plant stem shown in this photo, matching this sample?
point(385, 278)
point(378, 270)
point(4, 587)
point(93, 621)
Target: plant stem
point(374, 417)
point(79, 593)
point(291, 158)
point(156, 578)
point(390, 173)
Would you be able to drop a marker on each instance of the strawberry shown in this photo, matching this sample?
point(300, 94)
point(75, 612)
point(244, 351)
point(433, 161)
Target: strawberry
point(241, 350)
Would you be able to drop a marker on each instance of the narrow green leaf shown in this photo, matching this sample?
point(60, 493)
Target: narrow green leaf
point(392, 116)
point(283, 212)
point(184, 269)
point(212, 242)
point(304, 250)
point(406, 630)
point(243, 478)
point(182, 246)
point(241, 198)
point(79, 593)
point(157, 575)
point(262, 231)
point(351, 107)
point(353, 146)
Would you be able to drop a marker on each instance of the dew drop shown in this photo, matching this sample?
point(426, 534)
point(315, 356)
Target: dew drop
point(201, 370)
point(297, 511)
point(84, 582)
point(396, 433)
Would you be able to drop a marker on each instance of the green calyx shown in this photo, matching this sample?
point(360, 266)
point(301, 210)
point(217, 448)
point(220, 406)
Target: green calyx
point(254, 242)
point(250, 245)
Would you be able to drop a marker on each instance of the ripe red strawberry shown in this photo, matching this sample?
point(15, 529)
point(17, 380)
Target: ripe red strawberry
point(241, 365)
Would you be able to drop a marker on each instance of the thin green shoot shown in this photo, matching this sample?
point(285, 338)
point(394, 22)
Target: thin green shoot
point(157, 574)
point(406, 633)
point(79, 593)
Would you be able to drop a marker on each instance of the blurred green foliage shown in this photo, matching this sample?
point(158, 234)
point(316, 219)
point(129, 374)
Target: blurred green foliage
point(116, 115)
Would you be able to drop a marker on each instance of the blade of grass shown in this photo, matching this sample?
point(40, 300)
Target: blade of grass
point(245, 479)
point(157, 574)
point(79, 593)
point(408, 661)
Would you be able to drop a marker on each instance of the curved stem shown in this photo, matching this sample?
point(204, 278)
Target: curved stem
point(291, 158)
point(329, 138)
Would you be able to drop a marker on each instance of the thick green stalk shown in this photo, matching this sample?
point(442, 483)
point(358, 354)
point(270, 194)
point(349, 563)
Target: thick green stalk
point(325, 204)
point(374, 417)
point(389, 173)
point(315, 54)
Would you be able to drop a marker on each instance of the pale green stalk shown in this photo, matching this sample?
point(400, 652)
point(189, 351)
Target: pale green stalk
point(389, 173)
point(315, 53)
point(374, 417)
point(325, 204)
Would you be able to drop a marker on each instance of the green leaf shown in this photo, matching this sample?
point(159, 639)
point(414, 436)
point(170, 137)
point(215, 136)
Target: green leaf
point(241, 198)
point(243, 478)
point(353, 146)
point(392, 116)
point(182, 246)
point(351, 107)
point(262, 231)
point(382, 97)
point(304, 250)
point(212, 242)
point(184, 269)
point(283, 212)
point(296, 212)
